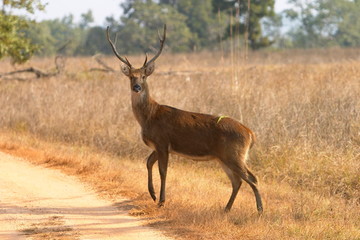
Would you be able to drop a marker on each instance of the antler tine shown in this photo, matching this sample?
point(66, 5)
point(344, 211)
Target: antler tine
point(114, 48)
point(127, 62)
point(145, 59)
point(162, 41)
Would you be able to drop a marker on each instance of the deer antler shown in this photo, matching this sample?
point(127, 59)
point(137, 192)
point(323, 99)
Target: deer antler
point(162, 41)
point(126, 61)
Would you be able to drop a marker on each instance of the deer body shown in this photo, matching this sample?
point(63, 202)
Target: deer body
point(188, 133)
point(194, 135)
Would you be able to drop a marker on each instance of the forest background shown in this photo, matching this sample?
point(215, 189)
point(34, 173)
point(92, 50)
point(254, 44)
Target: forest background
point(194, 26)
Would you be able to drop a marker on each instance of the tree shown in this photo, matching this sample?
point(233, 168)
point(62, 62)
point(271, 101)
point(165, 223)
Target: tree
point(95, 42)
point(68, 36)
point(141, 21)
point(272, 26)
point(41, 36)
point(13, 42)
point(310, 30)
point(342, 20)
point(57, 36)
point(258, 10)
point(325, 23)
point(86, 19)
point(200, 19)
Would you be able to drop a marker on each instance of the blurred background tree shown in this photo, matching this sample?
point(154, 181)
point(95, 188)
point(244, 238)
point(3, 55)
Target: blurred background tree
point(200, 20)
point(247, 18)
point(13, 42)
point(142, 19)
point(193, 25)
point(324, 23)
point(57, 36)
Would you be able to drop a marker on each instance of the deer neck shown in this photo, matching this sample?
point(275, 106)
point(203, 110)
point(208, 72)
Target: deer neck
point(143, 106)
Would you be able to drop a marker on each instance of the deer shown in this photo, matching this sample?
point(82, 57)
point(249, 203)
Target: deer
point(168, 130)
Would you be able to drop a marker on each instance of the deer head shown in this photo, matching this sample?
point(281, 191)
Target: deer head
point(138, 76)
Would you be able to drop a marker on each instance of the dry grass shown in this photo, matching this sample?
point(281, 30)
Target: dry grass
point(304, 108)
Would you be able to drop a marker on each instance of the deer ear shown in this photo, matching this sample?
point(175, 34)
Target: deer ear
point(149, 68)
point(125, 70)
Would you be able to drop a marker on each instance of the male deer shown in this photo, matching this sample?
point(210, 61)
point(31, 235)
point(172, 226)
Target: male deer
point(194, 135)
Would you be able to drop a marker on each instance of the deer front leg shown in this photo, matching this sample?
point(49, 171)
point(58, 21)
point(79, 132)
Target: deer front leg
point(163, 157)
point(149, 164)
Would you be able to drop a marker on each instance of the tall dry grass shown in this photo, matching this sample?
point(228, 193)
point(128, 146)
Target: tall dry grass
point(303, 106)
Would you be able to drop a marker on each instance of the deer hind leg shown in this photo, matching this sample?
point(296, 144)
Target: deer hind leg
point(239, 169)
point(244, 172)
point(235, 183)
point(252, 181)
point(149, 164)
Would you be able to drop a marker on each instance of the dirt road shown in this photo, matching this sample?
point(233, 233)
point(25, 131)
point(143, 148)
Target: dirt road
point(41, 203)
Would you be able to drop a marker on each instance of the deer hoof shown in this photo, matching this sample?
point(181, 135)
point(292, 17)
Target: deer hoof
point(153, 197)
point(226, 210)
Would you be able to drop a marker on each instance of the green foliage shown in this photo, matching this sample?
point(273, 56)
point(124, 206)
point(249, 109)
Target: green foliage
point(272, 30)
point(325, 23)
point(63, 36)
point(259, 9)
point(66, 35)
point(41, 36)
point(201, 21)
point(139, 27)
point(13, 42)
point(58, 36)
point(29, 5)
point(191, 24)
point(86, 19)
point(200, 17)
point(95, 42)
point(345, 15)
point(308, 33)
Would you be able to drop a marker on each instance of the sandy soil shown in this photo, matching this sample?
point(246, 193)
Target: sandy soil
point(41, 203)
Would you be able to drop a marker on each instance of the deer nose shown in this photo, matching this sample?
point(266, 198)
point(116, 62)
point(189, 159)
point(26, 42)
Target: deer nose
point(137, 88)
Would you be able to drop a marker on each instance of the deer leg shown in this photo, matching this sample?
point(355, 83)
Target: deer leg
point(163, 158)
point(240, 170)
point(244, 172)
point(252, 181)
point(235, 183)
point(149, 164)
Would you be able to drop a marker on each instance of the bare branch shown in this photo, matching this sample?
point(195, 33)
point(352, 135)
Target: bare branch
point(59, 62)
